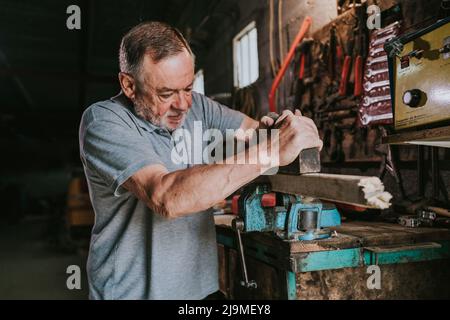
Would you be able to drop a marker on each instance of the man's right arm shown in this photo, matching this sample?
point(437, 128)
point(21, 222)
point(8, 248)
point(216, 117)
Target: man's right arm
point(195, 189)
point(198, 188)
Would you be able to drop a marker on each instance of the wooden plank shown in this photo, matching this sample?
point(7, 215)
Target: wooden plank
point(356, 190)
point(224, 219)
point(349, 235)
point(338, 242)
point(418, 234)
point(286, 248)
point(380, 233)
point(437, 136)
point(371, 235)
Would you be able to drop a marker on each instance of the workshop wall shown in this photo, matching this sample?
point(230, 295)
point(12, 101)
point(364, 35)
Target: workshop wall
point(359, 146)
point(218, 63)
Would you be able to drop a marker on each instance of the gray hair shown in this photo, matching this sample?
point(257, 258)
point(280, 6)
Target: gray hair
point(158, 39)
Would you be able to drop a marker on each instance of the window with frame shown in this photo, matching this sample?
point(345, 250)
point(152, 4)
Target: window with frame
point(199, 82)
point(245, 56)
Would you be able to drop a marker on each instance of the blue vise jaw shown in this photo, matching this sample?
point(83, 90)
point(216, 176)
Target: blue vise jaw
point(291, 218)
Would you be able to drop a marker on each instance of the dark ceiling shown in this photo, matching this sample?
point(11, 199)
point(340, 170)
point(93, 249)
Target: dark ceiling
point(42, 61)
point(50, 74)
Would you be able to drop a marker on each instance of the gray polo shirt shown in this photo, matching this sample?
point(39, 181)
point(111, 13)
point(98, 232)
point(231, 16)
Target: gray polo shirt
point(135, 253)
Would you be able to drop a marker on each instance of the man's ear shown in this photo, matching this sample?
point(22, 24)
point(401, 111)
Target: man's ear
point(128, 85)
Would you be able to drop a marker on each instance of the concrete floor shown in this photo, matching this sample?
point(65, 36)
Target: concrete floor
point(32, 268)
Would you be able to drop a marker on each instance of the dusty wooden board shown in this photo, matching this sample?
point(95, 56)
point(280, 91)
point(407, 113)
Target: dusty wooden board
point(419, 234)
point(426, 134)
point(340, 241)
point(437, 137)
point(379, 233)
point(369, 235)
point(357, 190)
point(349, 235)
point(393, 227)
point(224, 219)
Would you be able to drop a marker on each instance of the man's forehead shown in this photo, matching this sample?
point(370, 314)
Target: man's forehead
point(172, 73)
point(179, 64)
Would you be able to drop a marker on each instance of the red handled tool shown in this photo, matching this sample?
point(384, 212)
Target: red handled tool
point(300, 35)
point(301, 73)
point(346, 68)
point(358, 76)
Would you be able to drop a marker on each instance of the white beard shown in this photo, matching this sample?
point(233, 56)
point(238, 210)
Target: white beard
point(146, 113)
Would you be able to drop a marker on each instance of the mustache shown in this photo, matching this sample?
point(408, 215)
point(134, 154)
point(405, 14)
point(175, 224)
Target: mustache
point(176, 114)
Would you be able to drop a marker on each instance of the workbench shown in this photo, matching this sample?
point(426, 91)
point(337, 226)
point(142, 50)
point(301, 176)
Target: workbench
point(413, 262)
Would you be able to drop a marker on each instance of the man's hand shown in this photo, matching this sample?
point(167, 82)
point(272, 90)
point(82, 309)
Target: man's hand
point(296, 133)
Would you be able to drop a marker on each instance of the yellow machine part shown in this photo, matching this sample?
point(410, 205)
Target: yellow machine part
point(429, 73)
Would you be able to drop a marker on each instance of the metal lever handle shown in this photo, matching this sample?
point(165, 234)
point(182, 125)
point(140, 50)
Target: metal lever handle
point(238, 226)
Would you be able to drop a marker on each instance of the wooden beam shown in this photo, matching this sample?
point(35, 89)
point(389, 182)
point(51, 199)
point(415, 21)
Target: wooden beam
point(439, 137)
point(356, 190)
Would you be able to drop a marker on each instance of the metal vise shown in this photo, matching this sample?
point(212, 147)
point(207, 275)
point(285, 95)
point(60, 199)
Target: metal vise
point(289, 217)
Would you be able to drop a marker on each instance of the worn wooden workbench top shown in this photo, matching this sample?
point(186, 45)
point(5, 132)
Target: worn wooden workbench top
point(349, 235)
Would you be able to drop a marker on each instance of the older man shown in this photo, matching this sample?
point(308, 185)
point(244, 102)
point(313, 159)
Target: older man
point(154, 235)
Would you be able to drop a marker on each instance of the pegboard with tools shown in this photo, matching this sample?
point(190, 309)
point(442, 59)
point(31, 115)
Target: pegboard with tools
point(329, 86)
point(341, 79)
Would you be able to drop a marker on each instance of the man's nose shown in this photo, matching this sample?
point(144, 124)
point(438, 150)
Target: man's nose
point(181, 102)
